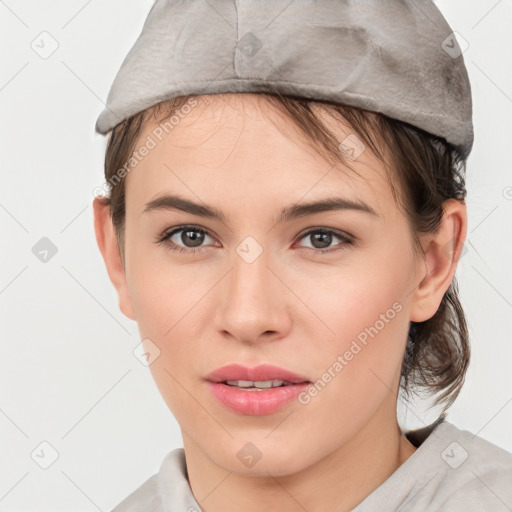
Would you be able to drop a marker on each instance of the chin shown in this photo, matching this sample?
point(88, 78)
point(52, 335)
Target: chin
point(260, 458)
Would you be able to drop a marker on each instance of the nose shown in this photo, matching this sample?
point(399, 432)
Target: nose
point(254, 304)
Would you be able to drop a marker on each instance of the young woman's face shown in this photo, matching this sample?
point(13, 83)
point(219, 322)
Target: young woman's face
point(254, 288)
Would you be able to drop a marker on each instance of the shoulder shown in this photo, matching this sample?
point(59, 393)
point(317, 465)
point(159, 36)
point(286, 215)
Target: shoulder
point(166, 491)
point(475, 455)
point(468, 472)
point(145, 497)
point(479, 472)
point(486, 490)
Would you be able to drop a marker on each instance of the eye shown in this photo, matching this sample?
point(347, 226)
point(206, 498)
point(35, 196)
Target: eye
point(191, 236)
point(323, 237)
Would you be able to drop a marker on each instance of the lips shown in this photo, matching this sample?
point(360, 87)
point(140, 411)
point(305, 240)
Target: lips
point(263, 372)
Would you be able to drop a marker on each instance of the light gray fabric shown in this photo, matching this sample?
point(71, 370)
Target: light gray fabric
point(451, 471)
point(397, 57)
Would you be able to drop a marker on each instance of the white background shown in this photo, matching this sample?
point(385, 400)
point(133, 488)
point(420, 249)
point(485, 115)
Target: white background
point(68, 374)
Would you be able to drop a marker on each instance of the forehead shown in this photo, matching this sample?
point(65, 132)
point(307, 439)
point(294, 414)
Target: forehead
point(227, 144)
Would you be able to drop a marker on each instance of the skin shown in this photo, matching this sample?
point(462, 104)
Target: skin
point(292, 307)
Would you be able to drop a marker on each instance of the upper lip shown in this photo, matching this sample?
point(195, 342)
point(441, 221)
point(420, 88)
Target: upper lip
point(258, 373)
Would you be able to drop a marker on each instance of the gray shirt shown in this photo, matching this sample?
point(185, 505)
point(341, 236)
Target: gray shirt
point(452, 470)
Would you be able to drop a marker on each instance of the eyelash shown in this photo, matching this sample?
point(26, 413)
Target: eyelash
point(165, 239)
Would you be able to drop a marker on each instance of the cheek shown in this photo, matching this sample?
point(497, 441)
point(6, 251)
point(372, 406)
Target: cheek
point(354, 298)
point(165, 301)
point(161, 292)
point(165, 298)
point(359, 362)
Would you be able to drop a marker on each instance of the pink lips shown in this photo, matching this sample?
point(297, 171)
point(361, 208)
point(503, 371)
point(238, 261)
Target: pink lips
point(255, 402)
point(258, 373)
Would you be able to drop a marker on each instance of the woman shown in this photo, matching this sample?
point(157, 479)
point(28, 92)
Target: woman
point(284, 218)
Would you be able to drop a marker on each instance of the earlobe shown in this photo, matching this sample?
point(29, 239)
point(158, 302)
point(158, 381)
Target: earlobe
point(107, 243)
point(441, 256)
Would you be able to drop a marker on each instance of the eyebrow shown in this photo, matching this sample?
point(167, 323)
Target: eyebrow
point(173, 202)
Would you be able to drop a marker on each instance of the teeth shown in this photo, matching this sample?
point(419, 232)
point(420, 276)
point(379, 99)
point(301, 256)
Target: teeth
point(265, 384)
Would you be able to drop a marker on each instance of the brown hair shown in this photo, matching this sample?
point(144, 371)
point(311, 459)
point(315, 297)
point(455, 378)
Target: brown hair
point(428, 171)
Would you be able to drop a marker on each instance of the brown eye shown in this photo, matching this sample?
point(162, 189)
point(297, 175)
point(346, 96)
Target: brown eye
point(185, 238)
point(322, 238)
point(195, 237)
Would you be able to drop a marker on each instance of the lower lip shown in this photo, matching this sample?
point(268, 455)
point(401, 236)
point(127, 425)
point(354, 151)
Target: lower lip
point(256, 402)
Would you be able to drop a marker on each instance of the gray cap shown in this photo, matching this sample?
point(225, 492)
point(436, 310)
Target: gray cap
point(396, 57)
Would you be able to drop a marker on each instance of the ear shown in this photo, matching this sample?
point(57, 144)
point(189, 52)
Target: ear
point(107, 243)
point(442, 251)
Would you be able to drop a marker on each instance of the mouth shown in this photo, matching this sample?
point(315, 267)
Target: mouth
point(264, 389)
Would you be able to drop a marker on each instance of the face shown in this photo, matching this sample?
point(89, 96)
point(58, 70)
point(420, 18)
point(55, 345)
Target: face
point(325, 294)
